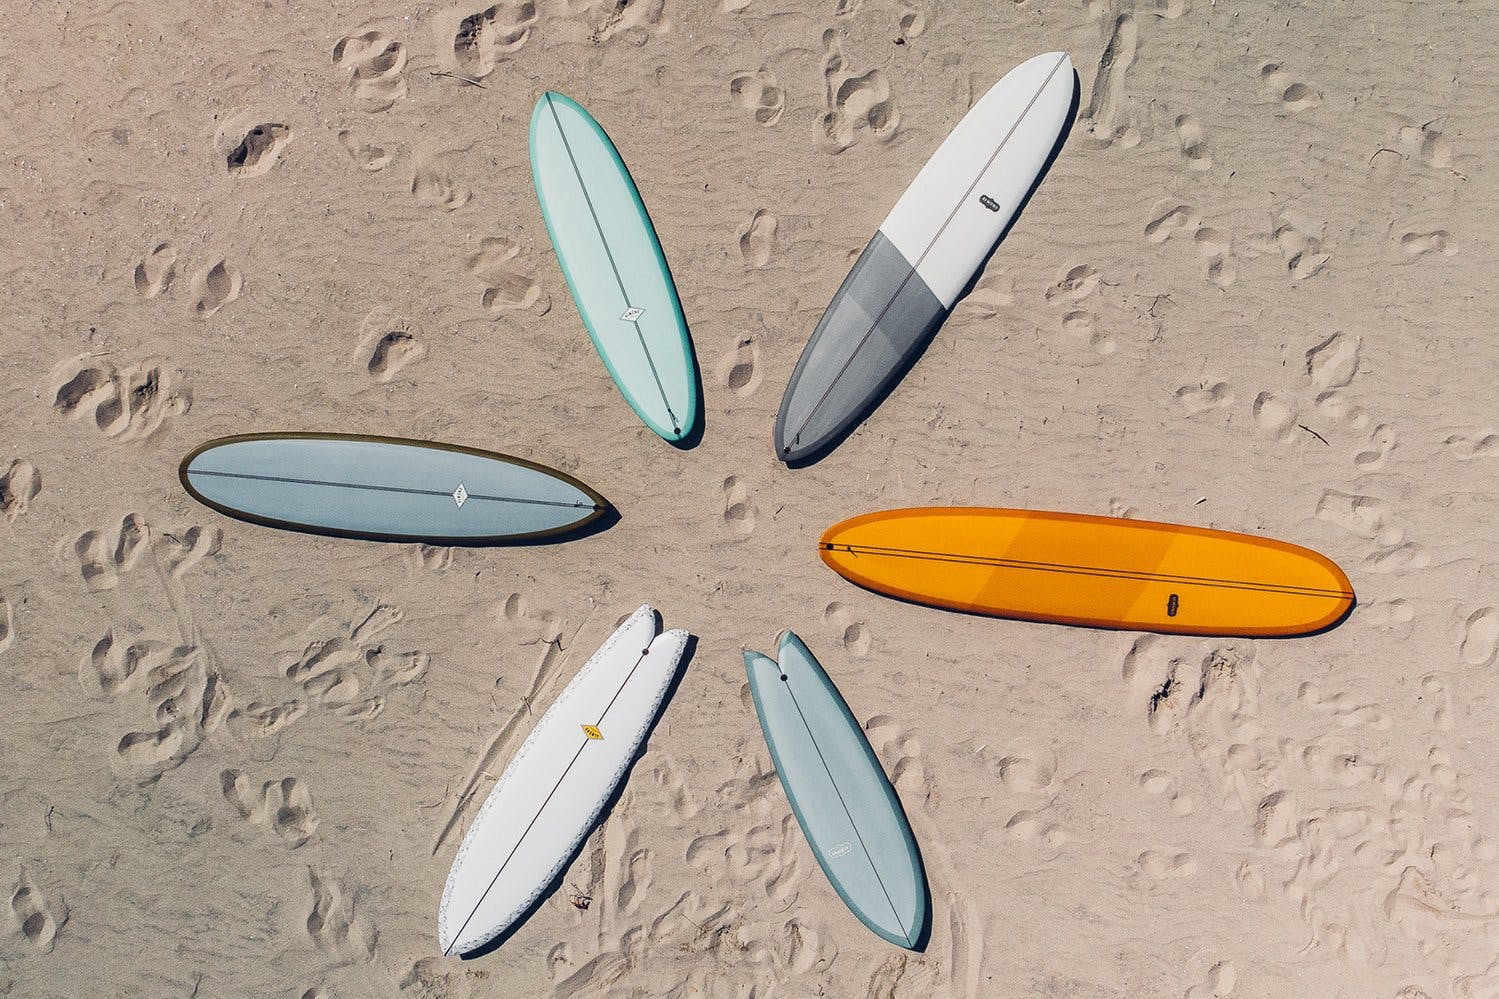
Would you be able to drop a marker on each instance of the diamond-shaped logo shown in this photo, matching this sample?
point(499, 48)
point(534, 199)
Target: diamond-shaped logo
point(632, 314)
point(460, 495)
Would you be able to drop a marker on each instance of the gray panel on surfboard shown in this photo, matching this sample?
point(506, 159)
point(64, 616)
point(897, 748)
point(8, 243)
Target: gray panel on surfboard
point(839, 792)
point(386, 489)
point(885, 308)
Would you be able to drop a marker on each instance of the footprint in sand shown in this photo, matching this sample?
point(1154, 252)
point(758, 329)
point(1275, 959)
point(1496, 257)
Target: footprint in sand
point(993, 293)
point(739, 369)
point(18, 487)
point(285, 806)
point(1333, 362)
point(1193, 141)
point(757, 239)
point(1204, 397)
point(366, 155)
point(1292, 95)
point(7, 624)
point(332, 922)
point(1302, 251)
point(1276, 413)
point(854, 101)
point(1103, 116)
point(1220, 983)
point(739, 510)
point(854, 634)
point(130, 403)
point(1216, 248)
point(483, 37)
point(103, 555)
point(1160, 783)
point(1414, 245)
point(154, 273)
point(760, 95)
point(1346, 711)
point(508, 282)
point(374, 69)
point(184, 697)
point(527, 624)
point(388, 343)
point(354, 673)
point(1156, 866)
point(1363, 516)
point(433, 187)
point(215, 287)
point(259, 150)
point(634, 22)
point(1168, 219)
point(40, 917)
point(1473, 446)
point(1481, 637)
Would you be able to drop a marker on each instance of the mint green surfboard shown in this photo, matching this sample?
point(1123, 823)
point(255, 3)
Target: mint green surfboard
point(614, 265)
point(839, 792)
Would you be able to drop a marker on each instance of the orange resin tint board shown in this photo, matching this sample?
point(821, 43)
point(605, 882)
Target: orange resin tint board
point(1101, 572)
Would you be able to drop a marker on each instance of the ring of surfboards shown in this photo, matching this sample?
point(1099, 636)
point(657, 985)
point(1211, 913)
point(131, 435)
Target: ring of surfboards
point(926, 250)
point(1079, 569)
point(562, 777)
point(374, 462)
point(614, 265)
point(839, 793)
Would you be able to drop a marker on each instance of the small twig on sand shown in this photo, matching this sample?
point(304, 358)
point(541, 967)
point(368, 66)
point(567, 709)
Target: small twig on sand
point(460, 79)
point(1314, 433)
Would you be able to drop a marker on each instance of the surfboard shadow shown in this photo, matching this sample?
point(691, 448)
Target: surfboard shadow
point(916, 355)
point(700, 416)
point(688, 651)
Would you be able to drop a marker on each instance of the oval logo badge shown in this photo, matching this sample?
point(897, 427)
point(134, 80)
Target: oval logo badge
point(988, 202)
point(592, 732)
point(839, 850)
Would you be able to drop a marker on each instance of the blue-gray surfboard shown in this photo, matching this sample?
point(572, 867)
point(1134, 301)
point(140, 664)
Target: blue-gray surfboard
point(839, 792)
point(387, 489)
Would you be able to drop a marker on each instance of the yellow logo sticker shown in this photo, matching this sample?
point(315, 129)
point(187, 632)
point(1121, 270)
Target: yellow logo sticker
point(592, 732)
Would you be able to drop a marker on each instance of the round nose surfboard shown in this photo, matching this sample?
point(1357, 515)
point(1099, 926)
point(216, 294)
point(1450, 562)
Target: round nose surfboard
point(839, 792)
point(1102, 572)
point(931, 244)
point(387, 489)
point(553, 791)
point(613, 264)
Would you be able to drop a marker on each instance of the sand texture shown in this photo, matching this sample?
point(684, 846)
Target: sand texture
point(1256, 292)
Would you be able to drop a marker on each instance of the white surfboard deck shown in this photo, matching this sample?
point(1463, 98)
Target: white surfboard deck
point(550, 795)
point(942, 224)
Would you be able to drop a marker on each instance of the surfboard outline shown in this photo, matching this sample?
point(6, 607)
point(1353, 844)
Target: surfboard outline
point(788, 441)
point(688, 419)
point(1344, 597)
point(789, 639)
point(601, 506)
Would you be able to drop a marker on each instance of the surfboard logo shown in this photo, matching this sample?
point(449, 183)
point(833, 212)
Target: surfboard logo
point(460, 495)
point(632, 313)
point(1171, 605)
point(839, 850)
point(592, 731)
point(988, 202)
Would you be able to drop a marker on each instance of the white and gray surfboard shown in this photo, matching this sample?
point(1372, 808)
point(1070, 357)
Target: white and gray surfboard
point(924, 254)
point(552, 793)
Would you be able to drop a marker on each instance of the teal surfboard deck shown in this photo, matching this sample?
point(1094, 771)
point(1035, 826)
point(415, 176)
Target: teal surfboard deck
point(614, 265)
point(387, 489)
point(839, 792)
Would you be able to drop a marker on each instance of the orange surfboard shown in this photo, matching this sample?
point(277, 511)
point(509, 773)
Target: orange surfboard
point(1102, 572)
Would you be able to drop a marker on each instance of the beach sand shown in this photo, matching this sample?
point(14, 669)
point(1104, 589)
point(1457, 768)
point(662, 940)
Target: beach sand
point(1255, 292)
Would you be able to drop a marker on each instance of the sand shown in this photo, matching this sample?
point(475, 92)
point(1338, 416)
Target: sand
point(1254, 293)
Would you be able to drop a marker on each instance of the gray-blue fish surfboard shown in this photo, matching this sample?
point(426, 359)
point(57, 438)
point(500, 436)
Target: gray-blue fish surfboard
point(839, 792)
point(387, 489)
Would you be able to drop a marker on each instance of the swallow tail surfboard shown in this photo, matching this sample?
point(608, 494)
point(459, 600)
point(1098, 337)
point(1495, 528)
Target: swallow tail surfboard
point(1102, 572)
point(552, 793)
point(934, 240)
point(839, 792)
point(387, 489)
point(614, 265)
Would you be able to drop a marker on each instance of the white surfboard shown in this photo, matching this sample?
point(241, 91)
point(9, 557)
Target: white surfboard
point(550, 795)
point(926, 251)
